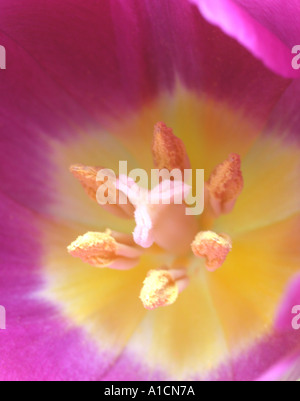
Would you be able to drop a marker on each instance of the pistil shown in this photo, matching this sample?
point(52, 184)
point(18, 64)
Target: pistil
point(158, 219)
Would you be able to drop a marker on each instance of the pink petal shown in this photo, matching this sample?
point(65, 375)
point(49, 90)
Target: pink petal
point(285, 314)
point(268, 29)
point(112, 57)
point(38, 343)
point(285, 117)
point(283, 370)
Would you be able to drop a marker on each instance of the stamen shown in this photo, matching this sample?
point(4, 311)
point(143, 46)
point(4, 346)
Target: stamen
point(102, 250)
point(225, 185)
point(162, 287)
point(88, 177)
point(213, 247)
point(168, 151)
point(122, 238)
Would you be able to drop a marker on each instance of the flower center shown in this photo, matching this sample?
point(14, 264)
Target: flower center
point(162, 223)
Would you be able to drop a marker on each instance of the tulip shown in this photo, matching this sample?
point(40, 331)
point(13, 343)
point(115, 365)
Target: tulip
point(201, 84)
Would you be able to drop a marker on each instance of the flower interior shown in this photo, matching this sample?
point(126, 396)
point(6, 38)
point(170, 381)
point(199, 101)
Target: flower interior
point(189, 292)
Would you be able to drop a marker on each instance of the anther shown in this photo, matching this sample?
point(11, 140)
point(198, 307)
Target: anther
point(213, 248)
point(88, 177)
point(162, 287)
point(168, 150)
point(225, 185)
point(102, 250)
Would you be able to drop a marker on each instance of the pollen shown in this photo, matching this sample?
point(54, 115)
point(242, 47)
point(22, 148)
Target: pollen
point(87, 176)
point(213, 247)
point(96, 249)
point(226, 184)
point(160, 289)
point(168, 150)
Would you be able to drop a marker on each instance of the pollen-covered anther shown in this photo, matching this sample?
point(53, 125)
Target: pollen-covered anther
point(102, 250)
point(225, 185)
point(87, 176)
point(162, 287)
point(91, 180)
point(168, 150)
point(213, 247)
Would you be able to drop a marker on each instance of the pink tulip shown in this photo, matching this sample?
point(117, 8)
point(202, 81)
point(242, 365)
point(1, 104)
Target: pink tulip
point(84, 85)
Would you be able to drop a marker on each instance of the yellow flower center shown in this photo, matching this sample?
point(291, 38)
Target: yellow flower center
point(219, 313)
point(166, 225)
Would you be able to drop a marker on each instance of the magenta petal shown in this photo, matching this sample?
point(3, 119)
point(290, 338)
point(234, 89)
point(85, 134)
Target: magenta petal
point(38, 343)
point(269, 29)
point(285, 116)
point(285, 370)
point(78, 63)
